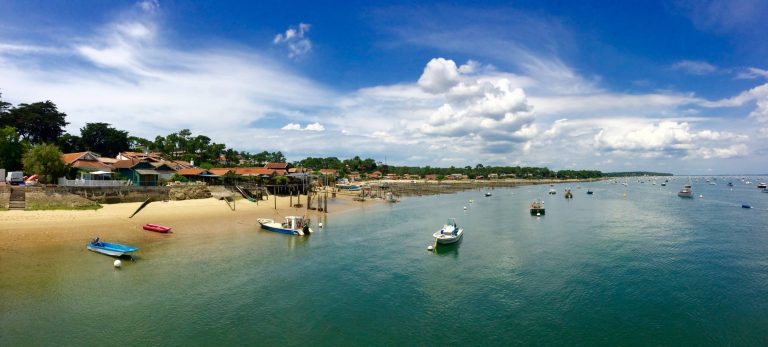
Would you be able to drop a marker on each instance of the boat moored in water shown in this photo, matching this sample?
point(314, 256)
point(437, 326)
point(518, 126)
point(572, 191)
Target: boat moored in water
point(552, 191)
point(293, 225)
point(112, 249)
point(449, 233)
point(537, 208)
point(685, 192)
point(568, 194)
point(762, 185)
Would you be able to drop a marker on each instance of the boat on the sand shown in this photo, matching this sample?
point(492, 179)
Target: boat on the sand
point(156, 228)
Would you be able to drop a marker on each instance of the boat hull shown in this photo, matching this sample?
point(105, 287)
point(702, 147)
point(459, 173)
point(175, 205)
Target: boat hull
point(156, 228)
point(444, 239)
point(111, 249)
point(537, 211)
point(273, 226)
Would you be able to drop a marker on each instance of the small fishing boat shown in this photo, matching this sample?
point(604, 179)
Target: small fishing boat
point(293, 225)
point(113, 249)
point(762, 185)
point(686, 192)
point(351, 187)
point(568, 194)
point(590, 192)
point(488, 194)
point(157, 228)
point(664, 184)
point(730, 184)
point(746, 206)
point(552, 191)
point(537, 208)
point(449, 233)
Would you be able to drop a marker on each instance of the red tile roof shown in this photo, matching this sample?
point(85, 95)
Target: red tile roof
point(219, 171)
point(125, 164)
point(253, 171)
point(190, 172)
point(277, 166)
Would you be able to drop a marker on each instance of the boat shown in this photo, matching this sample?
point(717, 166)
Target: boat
point(685, 192)
point(113, 249)
point(590, 192)
point(156, 228)
point(746, 206)
point(293, 225)
point(449, 233)
point(552, 191)
point(488, 194)
point(762, 185)
point(389, 197)
point(537, 208)
point(352, 187)
point(568, 194)
point(730, 184)
point(664, 184)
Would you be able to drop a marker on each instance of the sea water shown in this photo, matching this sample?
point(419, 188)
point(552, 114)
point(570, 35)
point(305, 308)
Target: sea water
point(634, 265)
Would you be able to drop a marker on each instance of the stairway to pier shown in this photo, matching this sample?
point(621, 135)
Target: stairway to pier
point(17, 200)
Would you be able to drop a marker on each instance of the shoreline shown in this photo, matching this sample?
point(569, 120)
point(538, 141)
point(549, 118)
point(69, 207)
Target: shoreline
point(30, 229)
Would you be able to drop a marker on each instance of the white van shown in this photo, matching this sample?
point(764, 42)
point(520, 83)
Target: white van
point(15, 177)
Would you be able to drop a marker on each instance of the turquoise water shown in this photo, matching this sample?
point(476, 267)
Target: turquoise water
point(632, 265)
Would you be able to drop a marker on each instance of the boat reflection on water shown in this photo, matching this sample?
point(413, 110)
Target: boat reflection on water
point(296, 242)
point(449, 249)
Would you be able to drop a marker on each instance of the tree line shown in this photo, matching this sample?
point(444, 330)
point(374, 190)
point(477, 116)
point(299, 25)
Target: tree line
point(32, 138)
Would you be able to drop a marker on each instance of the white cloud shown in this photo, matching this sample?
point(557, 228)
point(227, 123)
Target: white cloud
point(298, 44)
point(439, 76)
point(309, 127)
point(752, 73)
point(694, 67)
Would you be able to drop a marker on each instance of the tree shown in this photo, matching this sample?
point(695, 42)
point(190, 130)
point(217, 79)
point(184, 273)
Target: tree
point(45, 161)
point(70, 143)
point(104, 139)
point(40, 122)
point(4, 106)
point(11, 149)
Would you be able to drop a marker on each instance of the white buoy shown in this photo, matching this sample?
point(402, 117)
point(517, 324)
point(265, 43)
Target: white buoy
point(465, 207)
point(430, 248)
point(118, 263)
point(701, 196)
point(320, 224)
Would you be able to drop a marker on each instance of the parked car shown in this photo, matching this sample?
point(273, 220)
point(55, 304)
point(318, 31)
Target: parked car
point(15, 177)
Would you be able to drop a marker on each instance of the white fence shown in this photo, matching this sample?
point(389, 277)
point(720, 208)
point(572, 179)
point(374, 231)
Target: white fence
point(92, 183)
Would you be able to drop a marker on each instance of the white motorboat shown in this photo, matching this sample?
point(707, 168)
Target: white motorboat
point(293, 225)
point(449, 233)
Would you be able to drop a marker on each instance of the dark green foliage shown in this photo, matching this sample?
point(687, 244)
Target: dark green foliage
point(40, 122)
point(104, 139)
point(635, 173)
point(11, 149)
point(70, 143)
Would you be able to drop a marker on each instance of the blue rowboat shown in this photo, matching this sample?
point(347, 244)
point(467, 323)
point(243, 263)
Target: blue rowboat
point(293, 225)
point(113, 249)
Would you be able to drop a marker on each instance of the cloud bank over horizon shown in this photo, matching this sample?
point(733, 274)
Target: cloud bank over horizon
point(463, 109)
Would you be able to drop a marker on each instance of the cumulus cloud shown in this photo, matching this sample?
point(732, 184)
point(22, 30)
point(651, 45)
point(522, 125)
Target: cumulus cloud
point(694, 67)
point(296, 41)
point(309, 127)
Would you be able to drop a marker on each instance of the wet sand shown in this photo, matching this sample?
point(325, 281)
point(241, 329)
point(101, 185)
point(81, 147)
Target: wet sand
point(29, 229)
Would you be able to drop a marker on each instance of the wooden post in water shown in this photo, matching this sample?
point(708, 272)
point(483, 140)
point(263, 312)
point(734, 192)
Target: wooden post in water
point(290, 198)
point(325, 202)
point(274, 196)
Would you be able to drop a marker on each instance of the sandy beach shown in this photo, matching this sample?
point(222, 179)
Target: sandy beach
point(22, 229)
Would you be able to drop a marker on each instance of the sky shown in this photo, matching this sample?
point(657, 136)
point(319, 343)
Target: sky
point(668, 86)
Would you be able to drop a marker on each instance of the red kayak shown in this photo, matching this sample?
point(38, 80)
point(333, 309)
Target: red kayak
point(157, 228)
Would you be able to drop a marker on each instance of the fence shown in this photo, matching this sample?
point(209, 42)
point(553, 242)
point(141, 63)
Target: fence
point(92, 183)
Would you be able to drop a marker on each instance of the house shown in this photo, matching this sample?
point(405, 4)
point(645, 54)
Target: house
point(140, 156)
point(278, 167)
point(329, 172)
point(375, 175)
point(430, 177)
point(140, 173)
point(164, 171)
point(353, 176)
point(86, 161)
point(254, 172)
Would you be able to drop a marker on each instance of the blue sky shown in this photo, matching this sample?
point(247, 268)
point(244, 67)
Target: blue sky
point(678, 86)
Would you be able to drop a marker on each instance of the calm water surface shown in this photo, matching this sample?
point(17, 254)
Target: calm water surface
point(632, 265)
